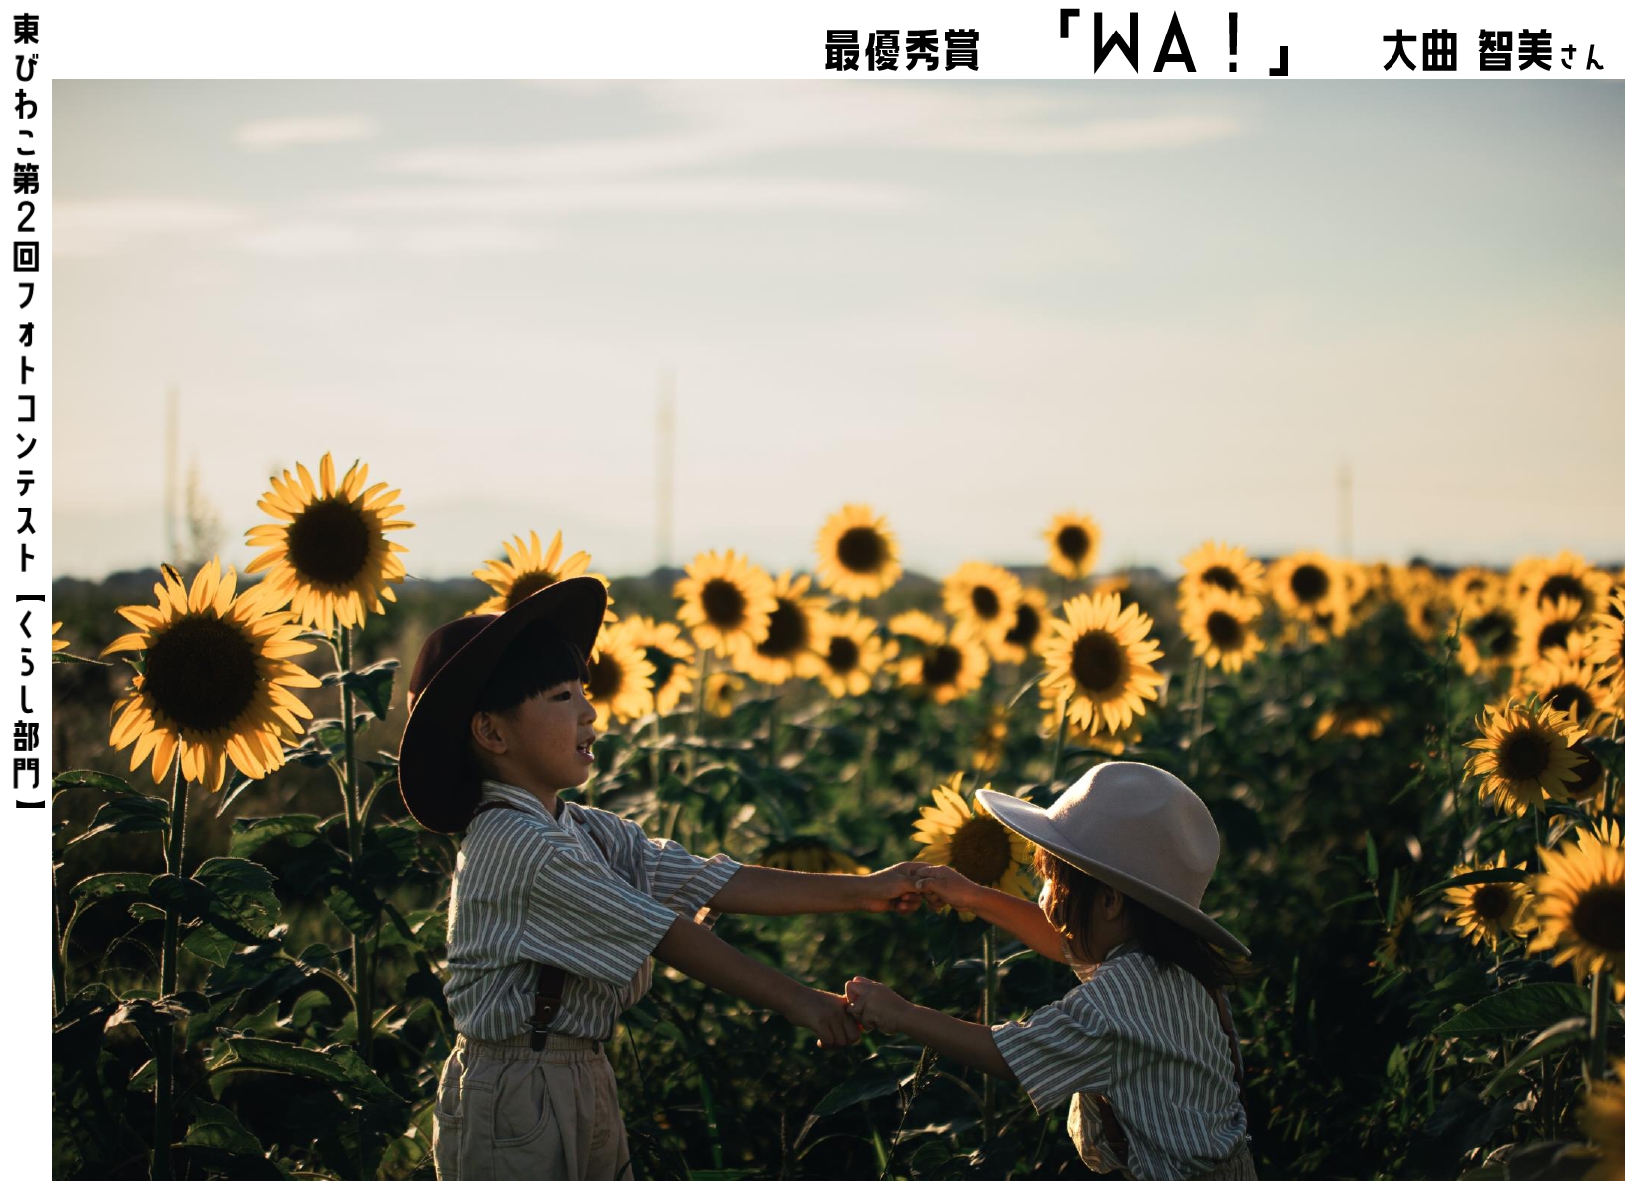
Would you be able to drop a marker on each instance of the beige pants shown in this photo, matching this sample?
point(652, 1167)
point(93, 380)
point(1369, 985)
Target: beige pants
point(508, 1113)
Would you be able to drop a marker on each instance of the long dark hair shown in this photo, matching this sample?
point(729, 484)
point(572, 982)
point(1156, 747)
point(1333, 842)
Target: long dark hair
point(1071, 901)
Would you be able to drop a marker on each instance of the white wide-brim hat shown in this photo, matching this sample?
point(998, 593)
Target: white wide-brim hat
point(1136, 828)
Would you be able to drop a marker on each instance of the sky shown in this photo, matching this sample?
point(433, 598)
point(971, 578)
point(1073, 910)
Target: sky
point(1183, 308)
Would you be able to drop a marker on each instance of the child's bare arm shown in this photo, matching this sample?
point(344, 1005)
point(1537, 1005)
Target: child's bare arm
point(696, 951)
point(875, 1004)
point(757, 889)
point(1023, 919)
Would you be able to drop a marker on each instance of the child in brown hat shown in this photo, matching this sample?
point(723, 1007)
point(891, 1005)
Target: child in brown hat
point(556, 908)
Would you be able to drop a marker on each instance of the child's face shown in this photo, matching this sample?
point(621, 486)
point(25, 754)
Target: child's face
point(549, 738)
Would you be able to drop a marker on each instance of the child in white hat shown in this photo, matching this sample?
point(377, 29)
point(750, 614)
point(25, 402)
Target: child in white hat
point(1143, 1045)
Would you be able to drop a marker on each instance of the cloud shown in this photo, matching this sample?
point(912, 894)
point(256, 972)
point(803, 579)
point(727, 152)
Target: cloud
point(90, 228)
point(732, 194)
point(301, 130)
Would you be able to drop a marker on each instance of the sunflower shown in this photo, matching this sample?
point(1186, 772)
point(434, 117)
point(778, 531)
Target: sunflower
point(1219, 626)
point(1605, 646)
point(1569, 576)
point(1215, 566)
point(987, 748)
point(725, 602)
point(1603, 1122)
point(721, 692)
point(809, 855)
point(1074, 541)
point(215, 679)
point(527, 570)
point(1309, 584)
point(1430, 612)
point(1100, 662)
point(1488, 912)
point(1489, 638)
point(328, 555)
point(1589, 770)
point(1018, 643)
point(945, 666)
point(1353, 720)
point(668, 654)
point(983, 598)
point(1525, 756)
point(852, 653)
point(857, 554)
point(56, 644)
point(967, 838)
point(1571, 687)
point(1473, 588)
point(1580, 902)
point(1550, 629)
point(620, 678)
point(794, 623)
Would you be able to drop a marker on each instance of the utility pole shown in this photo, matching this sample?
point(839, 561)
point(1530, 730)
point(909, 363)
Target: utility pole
point(665, 448)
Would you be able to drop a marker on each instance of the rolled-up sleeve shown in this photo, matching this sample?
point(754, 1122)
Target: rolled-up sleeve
point(681, 880)
point(1062, 1048)
point(589, 923)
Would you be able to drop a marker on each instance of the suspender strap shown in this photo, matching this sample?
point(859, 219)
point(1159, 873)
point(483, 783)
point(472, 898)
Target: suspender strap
point(549, 977)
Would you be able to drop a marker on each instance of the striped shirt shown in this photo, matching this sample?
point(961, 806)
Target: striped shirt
point(530, 889)
point(1149, 1039)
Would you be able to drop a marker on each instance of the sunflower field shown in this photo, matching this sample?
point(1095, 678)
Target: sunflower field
point(1414, 770)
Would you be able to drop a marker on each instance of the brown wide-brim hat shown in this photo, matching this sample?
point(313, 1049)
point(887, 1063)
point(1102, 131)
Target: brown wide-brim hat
point(453, 666)
point(1134, 827)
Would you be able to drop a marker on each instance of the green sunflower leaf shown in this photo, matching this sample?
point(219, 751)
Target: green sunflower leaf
point(242, 907)
point(124, 814)
point(1571, 1031)
point(338, 1065)
point(1513, 1010)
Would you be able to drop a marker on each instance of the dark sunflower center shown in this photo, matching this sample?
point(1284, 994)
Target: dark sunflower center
point(941, 665)
point(1222, 577)
point(980, 849)
point(1567, 697)
point(1556, 634)
point(1310, 584)
point(1561, 586)
point(1524, 755)
point(1589, 769)
point(1097, 661)
point(528, 584)
point(1599, 918)
point(1491, 902)
point(663, 662)
point(786, 630)
point(984, 600)
point(1223, 630)
point(1494, 633)
point(329, 541)
point(723, 603)
point(606, 676)
point(1026, 629)
point(202, 673)
point(843, 654)
point(861, 550)
point(1073, 542)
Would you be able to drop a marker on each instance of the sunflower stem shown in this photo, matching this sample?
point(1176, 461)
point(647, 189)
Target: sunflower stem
point(360, 945)
point(168, 971)
point(1060, 742)
point(990, 983)
point(1196, 724)
point(1601, 995)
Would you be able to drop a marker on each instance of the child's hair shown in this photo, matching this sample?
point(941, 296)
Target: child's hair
point(537, 659)
point(1071, 900)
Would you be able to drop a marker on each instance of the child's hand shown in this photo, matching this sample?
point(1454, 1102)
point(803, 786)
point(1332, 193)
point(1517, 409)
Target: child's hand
point(826, 1014)
point(893, 888)
point(942, 886)
point(875, 1005)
